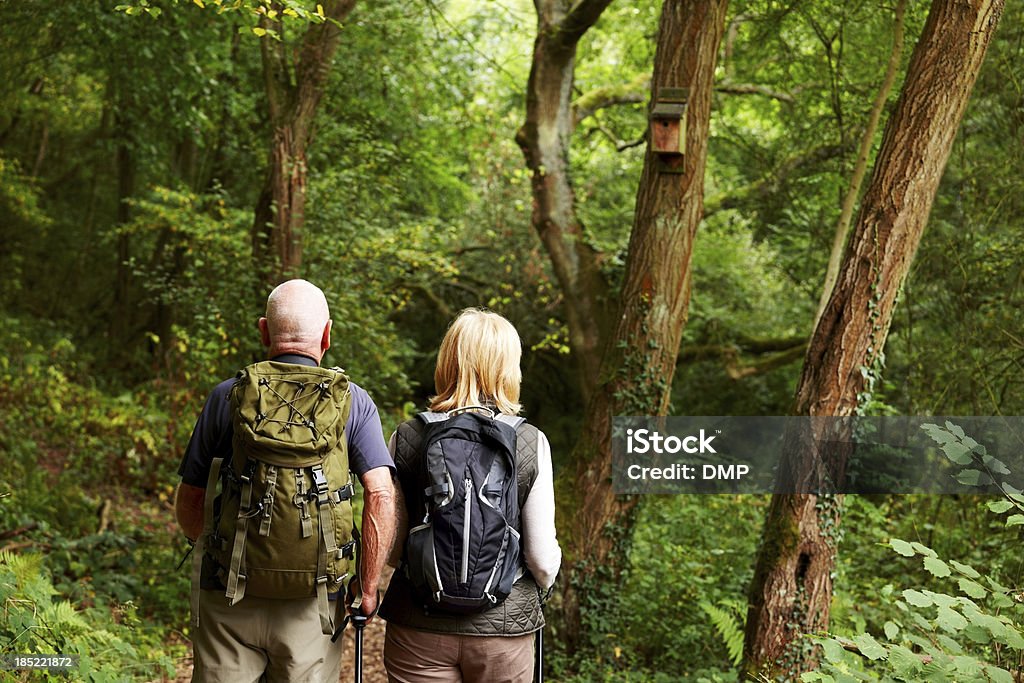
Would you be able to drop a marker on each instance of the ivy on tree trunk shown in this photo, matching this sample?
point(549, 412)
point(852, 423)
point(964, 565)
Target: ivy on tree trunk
point(791, 591)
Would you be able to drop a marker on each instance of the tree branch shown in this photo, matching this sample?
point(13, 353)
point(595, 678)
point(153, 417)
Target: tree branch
point(620, 145)
point(632, 92)
point(315, 57)
point(842, 230)
point(580, 18)
point(754, 89)
point(637, 90)
point(275, 69)
point(774, 179)
point(784, 350)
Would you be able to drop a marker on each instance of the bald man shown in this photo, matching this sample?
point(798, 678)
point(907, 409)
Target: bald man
point(281, 640)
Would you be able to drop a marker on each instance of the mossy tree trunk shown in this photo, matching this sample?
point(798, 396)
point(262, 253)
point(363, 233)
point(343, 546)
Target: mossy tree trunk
point(792, 587)
point(640, 357)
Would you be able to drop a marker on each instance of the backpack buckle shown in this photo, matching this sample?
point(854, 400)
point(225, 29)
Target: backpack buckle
point(319, 478)
point(344, 493)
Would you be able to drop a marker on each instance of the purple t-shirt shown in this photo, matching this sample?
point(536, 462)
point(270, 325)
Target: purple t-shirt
point(211, 436)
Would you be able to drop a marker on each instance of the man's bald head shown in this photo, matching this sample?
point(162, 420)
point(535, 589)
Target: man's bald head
point(297, 320)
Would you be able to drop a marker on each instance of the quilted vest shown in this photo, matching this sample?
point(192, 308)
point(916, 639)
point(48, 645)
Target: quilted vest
point(520, 612)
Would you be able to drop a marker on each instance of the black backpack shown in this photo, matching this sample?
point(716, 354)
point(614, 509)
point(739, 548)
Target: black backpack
point(464, 556)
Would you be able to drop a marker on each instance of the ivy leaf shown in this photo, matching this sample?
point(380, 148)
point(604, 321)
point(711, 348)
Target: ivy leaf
point(965, 569)
point(902, 547)
point(937, 567)
point(869, 647)
point(1000, 506)
point(972, 588)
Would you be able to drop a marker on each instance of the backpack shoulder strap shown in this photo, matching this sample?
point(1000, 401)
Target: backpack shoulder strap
point(429, 417)
point(513, 420)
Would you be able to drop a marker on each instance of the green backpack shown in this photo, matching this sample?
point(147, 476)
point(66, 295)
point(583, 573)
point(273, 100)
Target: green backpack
point(284, 524)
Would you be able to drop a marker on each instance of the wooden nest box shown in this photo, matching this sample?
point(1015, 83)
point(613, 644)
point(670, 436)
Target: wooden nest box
point(668, 127)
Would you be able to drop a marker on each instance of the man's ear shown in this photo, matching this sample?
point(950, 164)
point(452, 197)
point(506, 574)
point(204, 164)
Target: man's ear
point(264, 331)
point(325, 340)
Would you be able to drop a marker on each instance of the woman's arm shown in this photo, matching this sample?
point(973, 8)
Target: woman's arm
point(540, 544)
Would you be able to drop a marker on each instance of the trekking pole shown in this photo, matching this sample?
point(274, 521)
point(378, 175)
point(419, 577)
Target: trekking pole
point(359, 623)
point(538, 665)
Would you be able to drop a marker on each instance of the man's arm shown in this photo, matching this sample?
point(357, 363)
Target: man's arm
point(188, 508)
point(379, 517)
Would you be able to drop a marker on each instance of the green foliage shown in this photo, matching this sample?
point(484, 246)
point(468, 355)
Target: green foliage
point(35, 622)
point(682, 606)
point(728, 620)
point(975, 631)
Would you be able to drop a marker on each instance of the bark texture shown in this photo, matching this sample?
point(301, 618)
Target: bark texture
point(294, 89)
point(860, 167)
point(640, 358)
point(544, 138)
point(791, 590)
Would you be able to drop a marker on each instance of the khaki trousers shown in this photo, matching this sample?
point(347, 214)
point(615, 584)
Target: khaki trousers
point(412, 656)
point(259, 639)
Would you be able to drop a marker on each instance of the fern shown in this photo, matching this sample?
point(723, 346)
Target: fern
point(727, 618)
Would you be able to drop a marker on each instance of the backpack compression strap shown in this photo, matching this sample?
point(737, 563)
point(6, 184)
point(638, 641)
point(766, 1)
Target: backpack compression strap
point(236, 572)
point(204, 538)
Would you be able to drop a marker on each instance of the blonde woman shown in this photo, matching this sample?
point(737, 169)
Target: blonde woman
point(477, 365)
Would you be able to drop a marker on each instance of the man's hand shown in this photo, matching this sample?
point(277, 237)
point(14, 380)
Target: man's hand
point(188, 508)
point(369, 604)
point(379, 520)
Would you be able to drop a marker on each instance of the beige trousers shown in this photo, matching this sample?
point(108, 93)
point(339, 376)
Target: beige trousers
point(259, 639)
point(412, 656)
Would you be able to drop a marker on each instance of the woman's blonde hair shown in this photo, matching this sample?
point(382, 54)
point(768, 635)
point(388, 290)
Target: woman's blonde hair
point(478, 364)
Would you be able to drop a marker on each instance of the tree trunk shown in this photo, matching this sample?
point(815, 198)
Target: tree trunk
point(544, 139)
point(791, 590)
point(860, 166)
point(124, 161)
point(293, 94)
point(640, 359)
